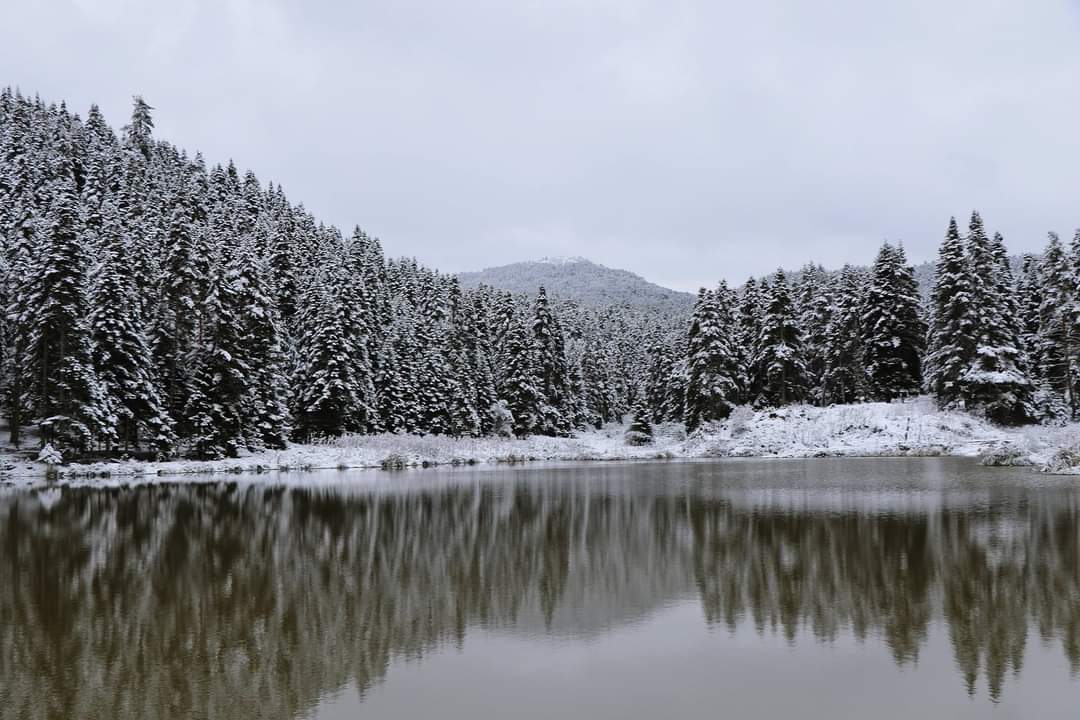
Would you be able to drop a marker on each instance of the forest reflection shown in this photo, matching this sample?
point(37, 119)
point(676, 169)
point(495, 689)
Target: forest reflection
point(236, 601)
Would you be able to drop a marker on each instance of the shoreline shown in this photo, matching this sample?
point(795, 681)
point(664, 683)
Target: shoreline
point(871, 430)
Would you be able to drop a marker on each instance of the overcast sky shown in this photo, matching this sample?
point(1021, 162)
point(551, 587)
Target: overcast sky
point(686, 141)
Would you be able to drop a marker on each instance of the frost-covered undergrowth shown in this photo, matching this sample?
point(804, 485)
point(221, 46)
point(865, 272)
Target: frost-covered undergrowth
point(872, 429)
point(914, 428)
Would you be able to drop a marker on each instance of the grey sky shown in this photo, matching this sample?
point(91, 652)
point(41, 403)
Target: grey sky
point(685, 141)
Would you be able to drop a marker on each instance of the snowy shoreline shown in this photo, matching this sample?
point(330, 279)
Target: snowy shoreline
point(913, 429)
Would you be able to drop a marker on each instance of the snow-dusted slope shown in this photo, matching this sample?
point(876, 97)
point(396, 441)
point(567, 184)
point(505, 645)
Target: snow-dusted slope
point(581, 280)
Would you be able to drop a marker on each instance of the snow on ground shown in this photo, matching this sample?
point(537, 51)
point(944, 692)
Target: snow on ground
point(914, 428)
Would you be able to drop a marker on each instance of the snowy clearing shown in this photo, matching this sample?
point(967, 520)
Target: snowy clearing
point(866, 430)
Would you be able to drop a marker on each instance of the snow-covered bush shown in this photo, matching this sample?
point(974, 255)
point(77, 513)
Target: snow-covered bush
point(740, 420)
point(50, 455)
point(640, 431)
point(1065, 460)
point(394, 461)
point(673, 431)
point(1006, 455)
point(502, 420)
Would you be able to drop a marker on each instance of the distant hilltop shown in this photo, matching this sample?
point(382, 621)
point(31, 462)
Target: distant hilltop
point(581, 280)
point(589, 283)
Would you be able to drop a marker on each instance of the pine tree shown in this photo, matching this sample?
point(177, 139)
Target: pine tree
point(779, 365)
point(138, 134)
point(70, 403)
point(1055, 328)
point(265, 414)
point(473, 362)
point(815, 308)
point(996, 381)
point(844, 378)
point(953, 323)
point(748, 333)
point(1029, 299)
point(20, 237)
point(662, 359)
point(357, 315)
point(122, 357)
point(712, 364)
point(325, 388)
point(521, 388)
point(893, 331)
point(221, 382)
point(551, 369)
point(398, 396)
point(601, 402)
point(640, 431)
point(182, 290)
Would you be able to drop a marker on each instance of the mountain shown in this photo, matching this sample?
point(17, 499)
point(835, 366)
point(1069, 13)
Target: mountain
point(590, 283)
point(582, 280)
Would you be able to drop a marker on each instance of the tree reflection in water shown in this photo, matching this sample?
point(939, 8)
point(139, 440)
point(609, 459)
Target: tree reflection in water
point(234, 601)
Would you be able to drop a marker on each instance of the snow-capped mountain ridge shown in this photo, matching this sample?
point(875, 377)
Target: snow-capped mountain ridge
point(582, 280)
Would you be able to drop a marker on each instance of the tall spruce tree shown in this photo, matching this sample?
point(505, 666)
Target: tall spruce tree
point(221, 382)
point(894, 335)
point(123, 361)
point(953, 323)
point(1055, 327)
point(70, 405)
point(748, 333)
point(325, 391)
point(780, 367)
point(551, 369)
point(996, 382)
point(844, 377)
point(712, 364)
point(521, 387)
point(265, 405)
point(815, 308)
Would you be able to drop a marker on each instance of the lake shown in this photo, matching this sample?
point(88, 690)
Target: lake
point(820, 589)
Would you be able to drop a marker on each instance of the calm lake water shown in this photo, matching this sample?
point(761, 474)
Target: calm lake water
point(818, 589)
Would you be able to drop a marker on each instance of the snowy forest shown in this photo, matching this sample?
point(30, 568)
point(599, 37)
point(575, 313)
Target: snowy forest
point(157, 305)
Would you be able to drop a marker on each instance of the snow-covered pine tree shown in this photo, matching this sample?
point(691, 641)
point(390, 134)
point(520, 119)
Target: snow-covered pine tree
point(138, 134)
point(122, 358)
point(1029, 299)
point(749, 316)
point(396, 382)
point(1055, 327)
point(325, 390)
point(183, 286)
point(640, 431)
point(602, 403)
point(265, 405)
point(357, 315)
point(844, 378)
point(521, 387)
point(20, 232)
point(953, 322)
point(70, 405)
point(712, 363)
point(894, 334)
point(814, 300)
point(995, 381)
point(471, 340)
point(435, 381)
point(221, 380)
point(462, 409)
point(551, 369)
point(661, 371)
point(779, 366)
point(139, 202)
